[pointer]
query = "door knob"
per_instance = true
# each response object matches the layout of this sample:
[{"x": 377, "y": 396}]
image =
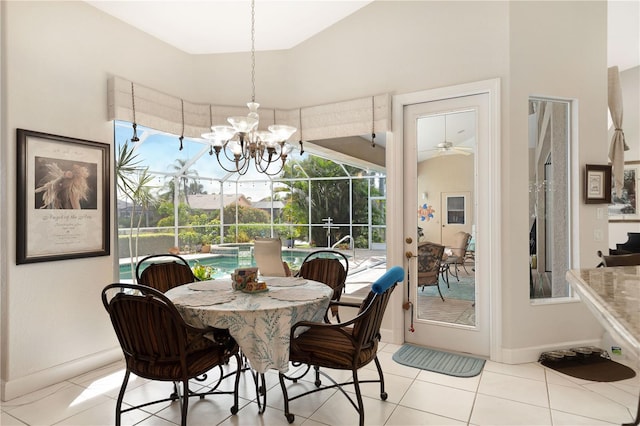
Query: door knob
[
  {"x": 409, "y": 254},
  {"x": 408, "y": 240}
]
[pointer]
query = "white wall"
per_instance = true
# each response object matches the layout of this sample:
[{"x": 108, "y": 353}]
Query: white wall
[
  {"x": 544, "y": 63},
  {"x": 57, "y": 56},
  {"x": 447, "y": 173},
  {"x": 56, "y": 59}
]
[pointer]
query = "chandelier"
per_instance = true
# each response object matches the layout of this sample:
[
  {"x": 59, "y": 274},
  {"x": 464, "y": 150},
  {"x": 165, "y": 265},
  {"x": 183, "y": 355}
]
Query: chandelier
[{"x": 242, "y": 143}]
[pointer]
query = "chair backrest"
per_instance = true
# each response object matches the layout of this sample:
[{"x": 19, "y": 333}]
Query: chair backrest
[
  {"x": 268, "y": 255},
  {"x": 366, "y": 328},
  {"x": 147, "y": 324},
  {"x": 164, "y": 271},
  {"x": 460, "y": 243},
  {"x": 326, "y": 266},
  {"x": 429, "y": 259},
  {"x": 621, "y": 260}
]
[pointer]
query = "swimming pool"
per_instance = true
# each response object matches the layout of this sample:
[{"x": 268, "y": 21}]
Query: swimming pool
[{"x": 225, "y": 264}]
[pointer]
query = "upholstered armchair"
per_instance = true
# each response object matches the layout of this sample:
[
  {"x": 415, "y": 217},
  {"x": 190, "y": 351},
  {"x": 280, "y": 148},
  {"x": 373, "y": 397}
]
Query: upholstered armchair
[{"x": 458, "y": 253}]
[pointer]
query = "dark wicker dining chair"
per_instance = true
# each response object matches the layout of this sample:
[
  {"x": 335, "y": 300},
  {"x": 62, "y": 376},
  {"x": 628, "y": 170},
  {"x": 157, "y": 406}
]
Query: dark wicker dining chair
[
  {"x": 345, "y": 346},
  {"x": 329, "y": 267},
  {"x": 158, "y": 345},
  {"x": 164, "y": 271},
  {"x": 430, "y": 265}
]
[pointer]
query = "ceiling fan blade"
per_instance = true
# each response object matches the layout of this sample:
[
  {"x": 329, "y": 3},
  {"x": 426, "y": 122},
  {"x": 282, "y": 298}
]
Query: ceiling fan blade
[{"x": 463, "y": 151}]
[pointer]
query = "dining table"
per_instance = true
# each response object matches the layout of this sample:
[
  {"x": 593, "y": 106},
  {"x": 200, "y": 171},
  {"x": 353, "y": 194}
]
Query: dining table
[
  {"x": 260, "y": 322},
  {"x": 612, "y": 294}
]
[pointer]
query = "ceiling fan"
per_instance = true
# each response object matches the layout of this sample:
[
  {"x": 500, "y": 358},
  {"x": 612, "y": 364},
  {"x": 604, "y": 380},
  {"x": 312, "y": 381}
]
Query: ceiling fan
[{"x": 447, "y": 147}]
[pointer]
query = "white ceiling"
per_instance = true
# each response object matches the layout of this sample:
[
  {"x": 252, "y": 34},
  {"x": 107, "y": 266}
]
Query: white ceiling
[
  {"x": 456, "y": 128},
  {"x": 219, "y": 26},
  {"x": 623, "y": 26},
  {"x": 222, "y": 26}
]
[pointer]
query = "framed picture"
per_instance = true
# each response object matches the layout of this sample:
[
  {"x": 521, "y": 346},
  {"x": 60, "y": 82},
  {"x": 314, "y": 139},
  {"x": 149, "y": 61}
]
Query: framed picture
[
  {"x": 62, "y": 198},
  {"x": 597, "y": 184},
  {"x": 624, "y": 207}
]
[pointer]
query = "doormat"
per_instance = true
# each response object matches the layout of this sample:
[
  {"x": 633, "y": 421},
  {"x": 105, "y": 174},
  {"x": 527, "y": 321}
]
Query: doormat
[
  {"x": 438, "y": 362},
  {"x": 596, "y": 366}
]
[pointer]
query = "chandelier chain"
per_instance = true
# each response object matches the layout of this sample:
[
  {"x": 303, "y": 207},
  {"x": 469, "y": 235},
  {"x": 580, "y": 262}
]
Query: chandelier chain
[
  {"x": 253, "y": 51},
  {"x": 242, "y": 143}
]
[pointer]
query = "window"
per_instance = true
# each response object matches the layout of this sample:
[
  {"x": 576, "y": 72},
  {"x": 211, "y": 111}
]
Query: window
[{"x": 456, "y": 213}]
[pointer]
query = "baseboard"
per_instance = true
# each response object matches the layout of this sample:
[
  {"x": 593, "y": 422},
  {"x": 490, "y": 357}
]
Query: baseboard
[
  {"x": 532, "y": 354},
  {"x": 23, "y": 385},
  {"x": 389, "y": 336}
]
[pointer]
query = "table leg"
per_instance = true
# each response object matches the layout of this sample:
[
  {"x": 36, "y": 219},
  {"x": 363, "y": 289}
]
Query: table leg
[{"x": 261, "y": 390}]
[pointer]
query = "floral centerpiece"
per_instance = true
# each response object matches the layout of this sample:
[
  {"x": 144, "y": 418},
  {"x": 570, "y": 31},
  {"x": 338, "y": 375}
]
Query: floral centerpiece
[{"x": 203, "y": 272}]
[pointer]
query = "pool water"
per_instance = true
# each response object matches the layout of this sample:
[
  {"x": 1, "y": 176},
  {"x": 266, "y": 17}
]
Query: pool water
[{"x": 224, "y": 264}]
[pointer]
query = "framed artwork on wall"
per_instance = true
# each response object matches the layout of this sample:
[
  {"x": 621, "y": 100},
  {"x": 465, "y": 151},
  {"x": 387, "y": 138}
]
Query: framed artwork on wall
[
  {"x": 62, "y": 198},
  {"x": 624, "y": 206},
  {"x": 597, "y": 184}
]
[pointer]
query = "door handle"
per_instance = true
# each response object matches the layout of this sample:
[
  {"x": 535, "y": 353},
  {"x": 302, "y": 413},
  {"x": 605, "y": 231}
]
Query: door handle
[
  {"x": 409, "y": 254},
  {"x": 408, "y": 240}
]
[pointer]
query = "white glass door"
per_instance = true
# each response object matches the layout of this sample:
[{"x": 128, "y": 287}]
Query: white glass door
[{"x": 442, "y": 140}]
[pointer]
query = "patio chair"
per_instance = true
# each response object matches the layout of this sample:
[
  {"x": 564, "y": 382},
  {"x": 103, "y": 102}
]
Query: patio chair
[
  {"x": 164, "y": 271},
  {"x": 430, "y": 265},
  {"x": 329, "y": 267},
  {"x": 158, "y": 345},
  {"x": 459, "y": 252},
  {"x": 345, "y": 346},
  {"x": 268, "y": 255}
]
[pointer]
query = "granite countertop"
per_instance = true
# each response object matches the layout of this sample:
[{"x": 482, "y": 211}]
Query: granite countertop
[{"x": 613, "y": 295}]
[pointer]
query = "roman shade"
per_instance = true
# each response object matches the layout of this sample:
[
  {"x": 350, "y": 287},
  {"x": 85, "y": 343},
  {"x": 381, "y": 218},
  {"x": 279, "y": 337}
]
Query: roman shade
[{"x": 174, "y": 115}]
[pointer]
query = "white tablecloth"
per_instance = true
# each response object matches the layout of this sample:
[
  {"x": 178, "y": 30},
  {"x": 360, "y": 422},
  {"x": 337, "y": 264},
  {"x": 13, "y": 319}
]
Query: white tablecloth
[{"x": 261, "y": 322}]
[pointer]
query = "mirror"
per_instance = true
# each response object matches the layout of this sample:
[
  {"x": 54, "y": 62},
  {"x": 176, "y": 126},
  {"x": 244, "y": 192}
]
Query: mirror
[
  {"x": 549, "y": 201},
  {"x": 446, "y": 183}
]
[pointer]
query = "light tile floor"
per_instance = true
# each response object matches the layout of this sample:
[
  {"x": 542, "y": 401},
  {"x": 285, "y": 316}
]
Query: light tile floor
[{"x": 526, "y": 394}]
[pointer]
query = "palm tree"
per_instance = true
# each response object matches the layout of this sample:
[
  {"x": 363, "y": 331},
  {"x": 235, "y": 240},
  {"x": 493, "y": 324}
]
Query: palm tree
[
  {"x": 133, "y": 184},
  {"x": 186, "y": 176}
]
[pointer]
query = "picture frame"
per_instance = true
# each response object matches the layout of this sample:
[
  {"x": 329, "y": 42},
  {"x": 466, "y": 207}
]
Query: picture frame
[
  {"x": 624, "y": 207},
  {"x": 62, "y": 198},
  {"x": 597, "y": 184}
]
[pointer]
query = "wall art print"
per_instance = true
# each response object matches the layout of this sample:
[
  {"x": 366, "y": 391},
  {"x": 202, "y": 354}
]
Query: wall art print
[{"x": 62, "y": 198}]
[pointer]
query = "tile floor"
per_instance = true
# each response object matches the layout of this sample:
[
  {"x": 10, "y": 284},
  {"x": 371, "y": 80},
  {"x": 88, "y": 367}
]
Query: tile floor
[{"x": 502, "y": 394}]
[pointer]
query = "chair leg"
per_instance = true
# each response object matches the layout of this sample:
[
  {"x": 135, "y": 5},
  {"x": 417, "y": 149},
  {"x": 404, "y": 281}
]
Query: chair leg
[
  {"x": 439, "y": 292},
  {"x": 444, "y": 273},
  {"x": 383, "y": 394},
  {"x": 290, "y": 417},
  {"x": 356, "y": 385},
  {"x": 318, "y": 382},
  {"x": 121, "y": 397},
  {"x": 455, "y": 270},
  {"x": 236, "y": 385},
  {"x": 184, "y": 402}
]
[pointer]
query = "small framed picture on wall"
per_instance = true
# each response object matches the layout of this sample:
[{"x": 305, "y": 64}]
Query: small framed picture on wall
[{"x": 597, "y": 184}]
